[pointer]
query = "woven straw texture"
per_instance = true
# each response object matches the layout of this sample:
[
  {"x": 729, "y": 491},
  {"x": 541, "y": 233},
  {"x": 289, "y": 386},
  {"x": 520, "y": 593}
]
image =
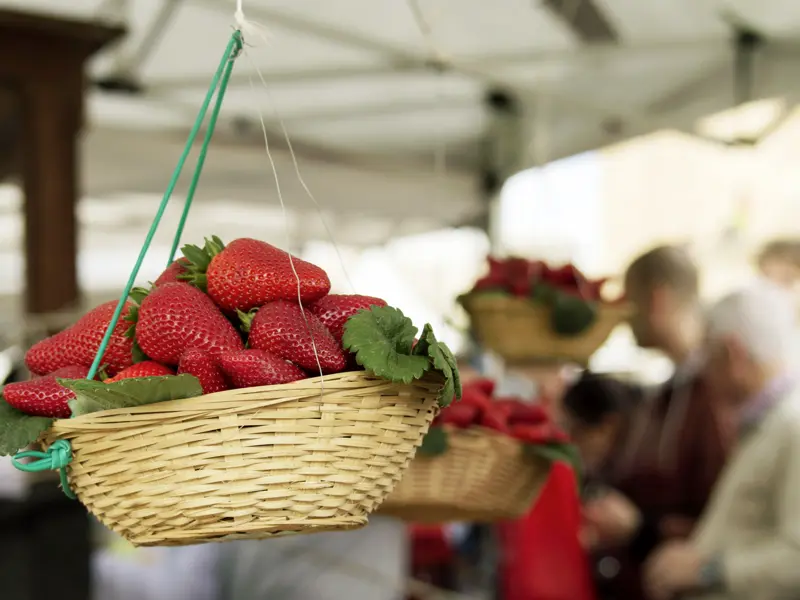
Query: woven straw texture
[
  {"x": 483, "y": 477},
  {"x": 249, "y": 463},
  {"x": 518, "y": 329}
]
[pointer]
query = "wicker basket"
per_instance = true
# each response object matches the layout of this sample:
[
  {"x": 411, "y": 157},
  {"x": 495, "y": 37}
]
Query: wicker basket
[
  {"x": 483, "y": 477},
  {"x": 248, "y": 463},
  {"x": 518, "y": 329}
]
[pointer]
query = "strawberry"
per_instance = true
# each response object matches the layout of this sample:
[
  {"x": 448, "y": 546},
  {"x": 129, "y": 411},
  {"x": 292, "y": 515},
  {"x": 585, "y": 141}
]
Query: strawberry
[
  {"x": 173, "y": 272},
  {"x": 541, "y": 433},
  {"x": 248, "y": 273},
  {"x": 203, "y": 366},
  {"x": 460, "y": 415},
  {"x": 147, "y": 368},
  {"x": 288, "y": 331},
  {"x": 78, "y": 344},
  {"x": 253, "y": 368},
  {"x": 175, "y": 317},
  {"x": 44, "y": 396},
  {"x": 495, "y": 418},
  {"x": 334, "y": 310}
]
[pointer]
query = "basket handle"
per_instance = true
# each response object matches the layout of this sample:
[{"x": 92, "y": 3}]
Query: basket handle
[
  {"x": 59, "y": 454},
  {"x": 219, "y": 84}
]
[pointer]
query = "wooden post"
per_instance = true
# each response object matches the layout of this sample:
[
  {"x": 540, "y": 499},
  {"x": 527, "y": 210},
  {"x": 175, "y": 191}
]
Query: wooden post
[
  {"x": 45, "y": 541},
  {"x": 42, "y": 61}
]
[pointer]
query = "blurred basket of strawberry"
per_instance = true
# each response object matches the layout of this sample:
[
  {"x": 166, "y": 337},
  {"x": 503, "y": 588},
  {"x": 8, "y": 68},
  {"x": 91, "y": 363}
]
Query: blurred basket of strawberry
[
  {"x": 527, "y": 310},
  {"x": 234, "y": 398},
  {"x": 484, "y": 460}
]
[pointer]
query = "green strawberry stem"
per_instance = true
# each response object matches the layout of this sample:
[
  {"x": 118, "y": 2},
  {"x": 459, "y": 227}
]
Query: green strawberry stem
[
  {"x": 199, "y": 260},
  {"x": 246, "y": 319}
]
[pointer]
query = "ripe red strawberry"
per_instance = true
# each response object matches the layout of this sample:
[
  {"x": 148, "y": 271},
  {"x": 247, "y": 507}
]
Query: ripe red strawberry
[
  {"x": 203, "y": 366},
  {"x": 287, "y": 331},
  {"x": 172, "y": 272},
  {"x": 248, "y": 273},
  {"x": 147, "y": 368},
  {"x": 253, "y": 368},
  {"x": 78, "y": 344},
  {"x": 44, "y": 397},
  {"x": 334, "y": 310},
  {"x": 175, "y": 317}
]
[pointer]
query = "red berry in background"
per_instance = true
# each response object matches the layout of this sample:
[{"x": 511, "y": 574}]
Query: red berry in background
[
  {"x": 543, "y": 433},
  {"x": 484, "y": 384},
  {"x": 495, "y": 420},
  {"x": 172, "y": 272},
  {"x": 460, "y": 415}
]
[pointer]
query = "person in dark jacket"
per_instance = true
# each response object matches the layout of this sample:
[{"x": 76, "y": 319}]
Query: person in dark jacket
[
  {"x": 597, "y": 412},
  {"x": 678, "y": 441}
]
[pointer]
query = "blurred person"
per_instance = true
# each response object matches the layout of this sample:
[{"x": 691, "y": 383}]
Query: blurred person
[
  {"x": 678, "y": 441},
  {"x": 596, "y": 413},
  {"x": 779, "y": 261},
  {"x": 368, "y": 564},
  {"x": 747, "y": 544}
]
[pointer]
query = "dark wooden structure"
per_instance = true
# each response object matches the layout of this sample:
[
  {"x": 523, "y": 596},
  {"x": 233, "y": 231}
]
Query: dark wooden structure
[
  {"x": 45, "y": 541},
  {"x": 42, "y": 65}
]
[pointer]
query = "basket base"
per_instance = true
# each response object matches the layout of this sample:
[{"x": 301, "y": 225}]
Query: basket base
[
  {"x": 245, "y": 532},
  {"x": 435, "y": 513}
]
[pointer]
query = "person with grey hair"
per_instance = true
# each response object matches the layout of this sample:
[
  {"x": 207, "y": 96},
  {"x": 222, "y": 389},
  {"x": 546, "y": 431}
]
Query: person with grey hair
[{"x": 747, "y": 543}]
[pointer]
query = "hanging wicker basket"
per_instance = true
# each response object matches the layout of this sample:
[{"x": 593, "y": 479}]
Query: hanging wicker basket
[
  {"x": 518, "y": 329},
  {"x": 248, "y": 463},
  {"x": 483, "y": 477}
]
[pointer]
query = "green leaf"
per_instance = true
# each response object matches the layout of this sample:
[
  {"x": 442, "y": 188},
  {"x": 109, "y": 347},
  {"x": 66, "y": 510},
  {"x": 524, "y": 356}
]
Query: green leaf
[
  {"x": 138, "y": 294},
  {"x": 138, "y": 353},
  {"x": 381, "y": 338},
  {"x": 544, "y": 293},
  {"x": 93, "y": 396},
  {"x": 18, "y": 430},
  {"x": 434, "y": 443},
  {"x": 198, "y": 257},
  {"x": 443, "y": 361},
  {"x": 421, "y": 349},
  {"x": 567, "y": 453},
  {"x": 571, "y": 315}
]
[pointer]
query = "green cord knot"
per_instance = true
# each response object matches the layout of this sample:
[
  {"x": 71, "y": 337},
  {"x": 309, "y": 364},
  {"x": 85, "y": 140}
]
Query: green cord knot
[{"x": 55, "y": 458}]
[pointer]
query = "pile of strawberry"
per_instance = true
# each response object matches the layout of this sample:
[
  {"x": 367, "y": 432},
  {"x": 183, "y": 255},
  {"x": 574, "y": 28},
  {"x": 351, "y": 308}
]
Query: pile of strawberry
[
  {"x": 522, "y": 277},
  {"x": 242, "y": 315},
  {"x": 524, "y": 421},
  {"x": 573, "y": 300}
]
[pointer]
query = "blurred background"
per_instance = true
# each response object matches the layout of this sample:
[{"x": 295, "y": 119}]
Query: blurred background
[{"x": 430, "y": 133}]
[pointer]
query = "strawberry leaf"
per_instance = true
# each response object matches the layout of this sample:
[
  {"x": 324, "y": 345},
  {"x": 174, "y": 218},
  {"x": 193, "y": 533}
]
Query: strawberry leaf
[
  {"x": 93, "y": 396},
  {"x": 567, "y": 453},
  {"x": 138, "y": 354},
  {"x": 381, "y": 338},
  {"x": 443, "y": 361},
  {"x": 18, "y": 430},
  {"x": 434, "y": 443}
]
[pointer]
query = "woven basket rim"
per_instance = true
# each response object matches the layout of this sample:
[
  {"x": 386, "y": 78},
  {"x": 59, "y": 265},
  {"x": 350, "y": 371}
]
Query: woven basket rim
[
  {"x": 507, "y": 303},
  {"x": 292, "y": 389}
]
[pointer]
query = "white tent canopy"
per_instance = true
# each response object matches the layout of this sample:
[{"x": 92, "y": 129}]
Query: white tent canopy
[{"x": 353, "y": 82}]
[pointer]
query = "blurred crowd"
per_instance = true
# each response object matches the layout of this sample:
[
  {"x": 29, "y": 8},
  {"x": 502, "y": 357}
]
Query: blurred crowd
[{"x": 689, "y": 490}]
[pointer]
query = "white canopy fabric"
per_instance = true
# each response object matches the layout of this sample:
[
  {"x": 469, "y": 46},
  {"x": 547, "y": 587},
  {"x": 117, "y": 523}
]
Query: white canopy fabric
[{"x": 353, "y": 83}]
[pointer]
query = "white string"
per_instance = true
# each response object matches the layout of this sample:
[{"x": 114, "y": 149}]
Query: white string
[
  {"x": 300, "y": 178},
  {"x": 244, "y": 24}
]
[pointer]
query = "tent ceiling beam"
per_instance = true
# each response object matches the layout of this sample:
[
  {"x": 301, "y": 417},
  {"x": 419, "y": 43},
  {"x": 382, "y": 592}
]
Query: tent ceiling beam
[
  {"x": 584, "y": 18},
  {"x": 399, "y": 54},
  {"x": 130, "y": 60}
]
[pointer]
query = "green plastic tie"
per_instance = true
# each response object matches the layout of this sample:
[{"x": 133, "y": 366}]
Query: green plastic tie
[
  {"x": 59, "y": 454},
  {"x": 55, "y": 458},
  {"x": 220, "y": 79}
]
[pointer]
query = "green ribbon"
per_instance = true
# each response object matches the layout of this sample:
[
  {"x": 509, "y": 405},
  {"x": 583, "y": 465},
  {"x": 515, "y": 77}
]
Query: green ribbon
[
  {"x": 59, "y": 455},
  {"x": 56, "y": 458}
]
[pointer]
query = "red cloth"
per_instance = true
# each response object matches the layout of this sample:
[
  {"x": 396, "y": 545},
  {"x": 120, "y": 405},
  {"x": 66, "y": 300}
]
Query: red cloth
[
  {"x": 429, "y": 546},
  {"x": 541, "y": 555}
]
